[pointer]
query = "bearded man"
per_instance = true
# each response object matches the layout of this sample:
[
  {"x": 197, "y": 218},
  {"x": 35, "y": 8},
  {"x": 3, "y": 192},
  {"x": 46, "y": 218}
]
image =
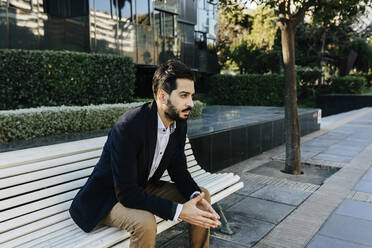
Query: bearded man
[{"x": 125, "y": 190}]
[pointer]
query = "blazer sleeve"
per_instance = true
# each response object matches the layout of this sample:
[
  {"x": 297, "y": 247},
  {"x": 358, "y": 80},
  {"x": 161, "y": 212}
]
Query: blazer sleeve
[
  {"x": 178, "y": 171},
  {"x": 123, "y": 152}
]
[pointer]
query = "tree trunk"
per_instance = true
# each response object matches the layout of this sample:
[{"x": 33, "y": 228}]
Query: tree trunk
[
  {"x": 321, "y": 82},
  {"x": 292, "y": 128}
]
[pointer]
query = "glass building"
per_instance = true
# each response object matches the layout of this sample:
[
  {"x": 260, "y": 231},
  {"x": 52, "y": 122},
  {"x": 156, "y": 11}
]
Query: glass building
[{"x": 148, "y": 31}]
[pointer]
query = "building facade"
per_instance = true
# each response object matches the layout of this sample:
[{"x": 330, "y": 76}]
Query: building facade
[{"x": 148, "y": 31}]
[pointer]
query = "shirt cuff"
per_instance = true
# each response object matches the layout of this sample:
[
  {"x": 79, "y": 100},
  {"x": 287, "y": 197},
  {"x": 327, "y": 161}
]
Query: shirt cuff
[
  {"x": 193, "y": 194},
  {"x": 178, "y": 212}
]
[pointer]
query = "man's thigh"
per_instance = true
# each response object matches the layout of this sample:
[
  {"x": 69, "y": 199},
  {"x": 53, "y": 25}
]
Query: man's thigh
[
  {"x": 167, "y": 191},
  {"x": 128, "y": 218}
]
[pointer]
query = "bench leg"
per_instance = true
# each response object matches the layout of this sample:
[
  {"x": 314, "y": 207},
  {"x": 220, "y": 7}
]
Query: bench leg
[{"x": 224, "y": 228}]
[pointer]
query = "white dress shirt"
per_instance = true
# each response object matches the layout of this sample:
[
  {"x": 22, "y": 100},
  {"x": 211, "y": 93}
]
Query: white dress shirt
[{"x": 161, "y": 145}]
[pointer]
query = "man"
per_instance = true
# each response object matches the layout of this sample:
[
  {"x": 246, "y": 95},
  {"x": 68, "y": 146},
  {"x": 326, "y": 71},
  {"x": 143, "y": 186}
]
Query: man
[{"x": 124, "y": 189}]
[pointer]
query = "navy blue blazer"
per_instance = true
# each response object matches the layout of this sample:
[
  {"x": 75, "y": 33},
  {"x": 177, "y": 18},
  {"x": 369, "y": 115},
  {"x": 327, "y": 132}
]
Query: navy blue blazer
[{"x": 126, "y": 161}]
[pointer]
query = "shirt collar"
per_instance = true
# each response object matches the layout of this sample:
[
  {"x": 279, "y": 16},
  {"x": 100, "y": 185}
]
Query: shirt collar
[{"x": 161, "y": 126}]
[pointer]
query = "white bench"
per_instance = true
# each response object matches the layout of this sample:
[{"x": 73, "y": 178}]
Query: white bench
[{"x": 37, "y": 186}]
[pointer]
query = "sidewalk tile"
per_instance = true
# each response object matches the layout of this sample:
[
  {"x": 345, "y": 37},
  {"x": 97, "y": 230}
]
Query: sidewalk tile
[
  {"x": 320, "y": 241},
  {"x": 348, "y": 229},
  {"x": 246, "y": 234},
  {"x": 312, "y": 148},
  {"x": 182, "y": 241},
  {"x": 342, "y": 152},
  {"x": 250, "y": 187},
  {"x": 360, "y": 123},
  {"x": 348, "y": 146},
  {"x": 230, "y": 200},
  {"x": 367, "y": 176},
  {"x": 259, "y": 209},
  {"x": 357, "y": 209},
  {"x": 282, "y": 195},
  {"x": 364, "y": 186},
  {"x": 331, "y": 157}
]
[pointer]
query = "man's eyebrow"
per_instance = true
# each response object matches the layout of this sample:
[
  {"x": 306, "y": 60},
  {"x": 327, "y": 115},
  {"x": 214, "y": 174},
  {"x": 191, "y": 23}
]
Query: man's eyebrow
[{"x": 185, "y": 92}]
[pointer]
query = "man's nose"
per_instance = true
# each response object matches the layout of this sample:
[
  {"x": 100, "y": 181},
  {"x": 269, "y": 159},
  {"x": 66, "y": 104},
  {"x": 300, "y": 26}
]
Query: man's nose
[{"x": 190, "y": 102}]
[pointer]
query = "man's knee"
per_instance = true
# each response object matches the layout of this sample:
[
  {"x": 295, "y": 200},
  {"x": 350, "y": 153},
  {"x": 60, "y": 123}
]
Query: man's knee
[
  {"x": 207, "y": 194},
  {"x": 146, "y": 223}
]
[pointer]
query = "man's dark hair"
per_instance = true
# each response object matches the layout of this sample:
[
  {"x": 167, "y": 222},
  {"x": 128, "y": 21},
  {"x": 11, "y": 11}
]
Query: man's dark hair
[{"x": 166, "y": 74}]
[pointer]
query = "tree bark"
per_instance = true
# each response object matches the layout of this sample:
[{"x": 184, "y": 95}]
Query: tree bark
[
  {"x": 292, "y": 127},
  {"x": 321, "y": 82}
]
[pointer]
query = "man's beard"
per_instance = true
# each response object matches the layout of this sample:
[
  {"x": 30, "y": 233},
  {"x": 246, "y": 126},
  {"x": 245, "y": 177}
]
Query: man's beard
[{"x": 173, "y": 114}]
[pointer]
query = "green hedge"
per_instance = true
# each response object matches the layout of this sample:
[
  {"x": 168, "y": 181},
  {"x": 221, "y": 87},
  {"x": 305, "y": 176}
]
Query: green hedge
[
  {"x": 30, "y": 123},
  {"x": 247, "y": 89},
  {"x": 55, "y": 78},
  {"x": 346, "y": 85},
  {"x": 268, "y": 89}
]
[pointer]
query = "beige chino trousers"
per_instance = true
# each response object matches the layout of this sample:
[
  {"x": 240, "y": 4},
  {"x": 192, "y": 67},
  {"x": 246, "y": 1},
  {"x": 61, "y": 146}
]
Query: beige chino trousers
[{"x": 142, "y": 226}]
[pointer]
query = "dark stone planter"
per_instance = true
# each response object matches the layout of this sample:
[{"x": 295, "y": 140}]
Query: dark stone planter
[
  {"x": 337, "y": 103},
  {"x": 216, "y": 149}
]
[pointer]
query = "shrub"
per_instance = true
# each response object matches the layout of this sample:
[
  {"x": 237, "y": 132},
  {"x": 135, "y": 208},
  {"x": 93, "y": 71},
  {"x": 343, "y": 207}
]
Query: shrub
[
  {"x": 308, "y": 76},
  {"x": 30, "y": 123},
  {"x": 346, "y": 85},
  {"x": 308, "y": 80},
  {"x": 55, "y": 78},
  {"x": 247, "y": 89}
]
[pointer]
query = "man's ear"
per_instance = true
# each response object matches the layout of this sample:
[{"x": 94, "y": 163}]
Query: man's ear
[{"x": 162, "y": 96}]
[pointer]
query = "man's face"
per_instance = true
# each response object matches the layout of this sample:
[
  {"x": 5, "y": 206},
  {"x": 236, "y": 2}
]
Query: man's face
[{"x": 179, "y": 103}]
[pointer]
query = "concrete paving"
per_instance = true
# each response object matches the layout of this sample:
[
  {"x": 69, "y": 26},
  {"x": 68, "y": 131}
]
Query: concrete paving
[{"x": 274, "y": 211}]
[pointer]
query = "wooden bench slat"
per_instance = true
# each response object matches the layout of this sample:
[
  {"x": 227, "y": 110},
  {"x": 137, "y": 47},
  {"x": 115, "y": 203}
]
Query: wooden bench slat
[
  {"x": 104, "y": 241},
  {"x": 188, "y": 152},
  {"x": 35, "y": 206},
  {"x": 37, "y": 225},
  {"x": 23, "y": 199},
  {"x": 31, "y": 155},
  {"x": 51, "y": 181},
  {"x": 35, "y": 216},
  {"x": 167, "y": 178},
  {"x": 190, "y": 167},
  {"x": 51, "y": 238},
  {"x": 47, "y": 173},
  {"x": 187, "y": 146},
  {"x": 27, "y": 168},
  {"x": 40, "y": 233},
  {"x": 221, "y": 180},
  {"x": 80, "y": 236},
  {"x": 227, "y": 183},
  {"x": 205, "y": 182},
  {"x": 226, "y": 192},
  {"x": 116, "y": 237},
  {"x": 190, "y": 158},
  {"x": 192, "y": 163}
]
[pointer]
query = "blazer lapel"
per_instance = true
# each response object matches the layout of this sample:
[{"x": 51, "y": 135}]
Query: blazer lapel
[{"x": 152, "y": 134}]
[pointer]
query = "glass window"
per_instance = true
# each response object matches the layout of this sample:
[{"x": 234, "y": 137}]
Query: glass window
[
  {"x": 143, "y": 12},
  {"x": 20, "y": 4},
  {"x": 125, "y": 9},
  {"x": 189, "y": 33},
  {"x": 168, "y": 25},
  {"x": 158, "y": 22}
]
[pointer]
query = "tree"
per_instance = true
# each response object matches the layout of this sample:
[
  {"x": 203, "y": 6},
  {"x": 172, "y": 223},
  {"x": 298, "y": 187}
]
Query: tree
[
  {"x": 291, "y": 13},
  {"x": 247, "y": 35}
]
